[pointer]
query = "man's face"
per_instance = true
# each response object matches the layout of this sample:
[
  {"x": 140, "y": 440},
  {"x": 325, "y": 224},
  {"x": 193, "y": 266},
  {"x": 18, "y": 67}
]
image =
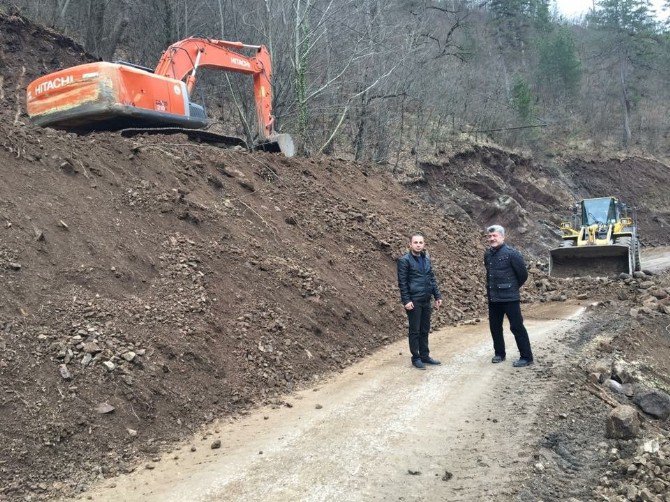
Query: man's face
[
  {"x": 416, "y": 244},
  {"x": 495, "y": 239}
]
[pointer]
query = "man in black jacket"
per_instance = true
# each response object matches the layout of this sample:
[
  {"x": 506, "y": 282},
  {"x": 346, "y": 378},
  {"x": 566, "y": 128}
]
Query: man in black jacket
[
  {"x": 505, "y": 274},
  {"x": 417, "y": 285}
]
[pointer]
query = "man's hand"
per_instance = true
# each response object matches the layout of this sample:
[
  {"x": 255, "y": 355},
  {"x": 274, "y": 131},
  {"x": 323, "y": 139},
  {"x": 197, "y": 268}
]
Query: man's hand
[
  {"x": 437, "y": 304},
  {"x": 409, "y": 306}
]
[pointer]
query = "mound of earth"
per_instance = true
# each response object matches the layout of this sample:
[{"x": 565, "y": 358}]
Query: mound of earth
[
  {"x": 619, "y": 366},
  {"x": 487, "y": 185},
  {"x": 151, "y": 284}
]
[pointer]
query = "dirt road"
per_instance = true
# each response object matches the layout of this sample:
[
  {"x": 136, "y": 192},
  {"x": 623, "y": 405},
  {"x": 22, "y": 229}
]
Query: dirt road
[
  {"x": 380, "y": 430},
  {"x": 656, "y": 259}
]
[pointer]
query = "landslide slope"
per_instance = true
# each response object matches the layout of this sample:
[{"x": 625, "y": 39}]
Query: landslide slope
[
  {"x": 173, "y": 282},
  {"x": 486, "y": 184}
]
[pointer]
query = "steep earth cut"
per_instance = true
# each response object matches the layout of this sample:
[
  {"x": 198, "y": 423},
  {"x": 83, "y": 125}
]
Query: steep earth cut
[{"x": 153, "y": 284}]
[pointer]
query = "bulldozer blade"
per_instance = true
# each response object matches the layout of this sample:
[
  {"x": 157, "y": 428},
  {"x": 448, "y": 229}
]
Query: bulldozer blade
[
  {"x": 279, "y": 143},
  {"x": 590, "y": 261}
]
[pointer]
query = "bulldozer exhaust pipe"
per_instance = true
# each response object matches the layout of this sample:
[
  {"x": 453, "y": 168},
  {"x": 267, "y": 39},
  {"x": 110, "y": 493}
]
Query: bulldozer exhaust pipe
[{"x": 590, "y": 261}]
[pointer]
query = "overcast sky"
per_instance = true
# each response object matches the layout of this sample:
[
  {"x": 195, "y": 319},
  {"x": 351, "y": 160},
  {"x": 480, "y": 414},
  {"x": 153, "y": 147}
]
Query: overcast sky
[{"x": 574, "y": 8}]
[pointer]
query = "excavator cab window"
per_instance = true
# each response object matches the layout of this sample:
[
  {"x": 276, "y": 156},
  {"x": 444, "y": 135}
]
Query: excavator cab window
[{"x": 600, "y": 211}]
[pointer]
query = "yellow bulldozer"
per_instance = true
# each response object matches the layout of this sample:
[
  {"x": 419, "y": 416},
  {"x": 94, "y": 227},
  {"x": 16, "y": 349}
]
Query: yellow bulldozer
[{"x": 600, "y": 240}]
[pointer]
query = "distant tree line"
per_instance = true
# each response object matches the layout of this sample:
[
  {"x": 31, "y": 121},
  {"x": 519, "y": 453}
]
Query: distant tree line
[{"x": 379, "y": 79}]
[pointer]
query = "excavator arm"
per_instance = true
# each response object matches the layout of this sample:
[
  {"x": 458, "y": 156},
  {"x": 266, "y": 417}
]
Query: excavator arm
[{"x": 182, "y": 60}]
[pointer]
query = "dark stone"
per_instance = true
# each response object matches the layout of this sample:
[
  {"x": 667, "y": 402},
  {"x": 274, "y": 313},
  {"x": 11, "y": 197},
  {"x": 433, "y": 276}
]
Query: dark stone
[
  {"x": 654, "y": 402},
  {"x": 623, "y": 423}
]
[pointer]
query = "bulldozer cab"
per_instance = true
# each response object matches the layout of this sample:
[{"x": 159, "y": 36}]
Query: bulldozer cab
[{"x": 601, "y": 211}]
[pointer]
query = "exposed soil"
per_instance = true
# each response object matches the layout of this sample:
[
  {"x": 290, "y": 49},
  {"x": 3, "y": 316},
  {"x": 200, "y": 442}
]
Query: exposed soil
[
  {"x": 153, "y": 284},
  {"x": 487, "y": 185},
  {"x": 575, "y": 457},
  {"x": 379, "y": 431}
]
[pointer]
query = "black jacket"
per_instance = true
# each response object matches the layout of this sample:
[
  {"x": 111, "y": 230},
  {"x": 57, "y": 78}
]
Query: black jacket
[
  {"x": 505, "y": 274},
  {"x": 416, "y": 284}
]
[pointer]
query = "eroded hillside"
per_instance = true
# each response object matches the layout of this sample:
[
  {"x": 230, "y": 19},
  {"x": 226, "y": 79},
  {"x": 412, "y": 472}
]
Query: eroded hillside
[{"x": 151, "y": 284}]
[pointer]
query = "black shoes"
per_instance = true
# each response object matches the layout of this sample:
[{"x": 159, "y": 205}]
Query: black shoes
[
  {"x": 521, "y": 363},
  {"x": 497, "y": 359},
  {"x": 418, "y": 364},
  {"x": 430, "y": 360}
]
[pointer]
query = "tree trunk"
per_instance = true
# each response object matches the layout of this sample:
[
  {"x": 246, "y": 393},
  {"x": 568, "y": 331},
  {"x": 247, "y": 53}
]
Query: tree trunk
[
  {"x": 625, "y": 104},
  {"x": 96, "y": 26},
  {"x": 116, "y": 33},
  {"x": 362, "y": 123}
]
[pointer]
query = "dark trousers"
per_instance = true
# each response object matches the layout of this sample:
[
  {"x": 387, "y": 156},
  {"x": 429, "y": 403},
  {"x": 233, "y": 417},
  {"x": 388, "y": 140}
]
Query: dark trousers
[
  {"x": 419, "y": 326},
  {"x": 497, "y": 312}
]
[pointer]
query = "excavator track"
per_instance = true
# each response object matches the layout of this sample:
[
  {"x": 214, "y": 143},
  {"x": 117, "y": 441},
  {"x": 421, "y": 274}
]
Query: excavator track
[{"x": 197, "y": 135}]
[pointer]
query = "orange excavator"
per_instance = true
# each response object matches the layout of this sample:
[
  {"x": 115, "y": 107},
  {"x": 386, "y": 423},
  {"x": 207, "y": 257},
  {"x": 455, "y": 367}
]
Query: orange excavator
[{"x": 134, "y": 99}]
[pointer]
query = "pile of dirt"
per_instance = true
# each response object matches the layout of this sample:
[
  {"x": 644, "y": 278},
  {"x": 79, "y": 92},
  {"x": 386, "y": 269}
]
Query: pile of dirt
[
  {"x": 620, "y": 369},
  {"x": 152, "y": 284},
  {"x": 179, "y": 282}
]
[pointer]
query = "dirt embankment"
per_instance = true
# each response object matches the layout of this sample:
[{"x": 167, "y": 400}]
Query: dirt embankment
[
  {"x": 151, "y": 284},
  {"x": 606, "y": 429},
  {"x": 486, "y": 185}
]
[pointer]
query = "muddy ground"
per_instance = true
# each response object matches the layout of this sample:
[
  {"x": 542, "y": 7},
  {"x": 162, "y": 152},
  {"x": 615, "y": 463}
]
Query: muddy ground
[{"x": 150, "y": 285}]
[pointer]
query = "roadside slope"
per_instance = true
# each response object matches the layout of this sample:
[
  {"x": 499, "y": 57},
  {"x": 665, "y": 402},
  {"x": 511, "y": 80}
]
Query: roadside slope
[
  {"x": 152, "y": 284},
  {"x": 379, "y": 431}
]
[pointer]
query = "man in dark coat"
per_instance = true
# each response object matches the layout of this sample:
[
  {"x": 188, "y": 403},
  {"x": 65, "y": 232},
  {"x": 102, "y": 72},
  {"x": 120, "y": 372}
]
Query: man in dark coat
[
  {"x": 505, "y": 274},
  {"x": 417, "y": 285}
]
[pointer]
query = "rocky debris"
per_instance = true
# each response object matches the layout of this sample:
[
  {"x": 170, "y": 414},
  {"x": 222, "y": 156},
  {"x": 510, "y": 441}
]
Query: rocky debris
[
  {"x": 623, "y": 423},
  {"x": 643, "y": 475},
  {"x": 653, "y": 402},
  {"x": 216, "y": 444},
  {"x": 621, "y": 372},
  {"x": 64, "y": 372},
  {"x": 632, "y": 350}
]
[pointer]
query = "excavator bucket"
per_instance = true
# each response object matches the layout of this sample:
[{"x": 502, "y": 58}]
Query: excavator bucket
[
  {"x": 277, "y": 143},
  {"x": 590, "y": 261}
]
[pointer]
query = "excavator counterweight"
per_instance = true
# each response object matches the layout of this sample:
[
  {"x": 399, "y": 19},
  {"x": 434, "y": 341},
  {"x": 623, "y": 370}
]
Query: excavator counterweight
[{"x": 123, "y": 96}]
